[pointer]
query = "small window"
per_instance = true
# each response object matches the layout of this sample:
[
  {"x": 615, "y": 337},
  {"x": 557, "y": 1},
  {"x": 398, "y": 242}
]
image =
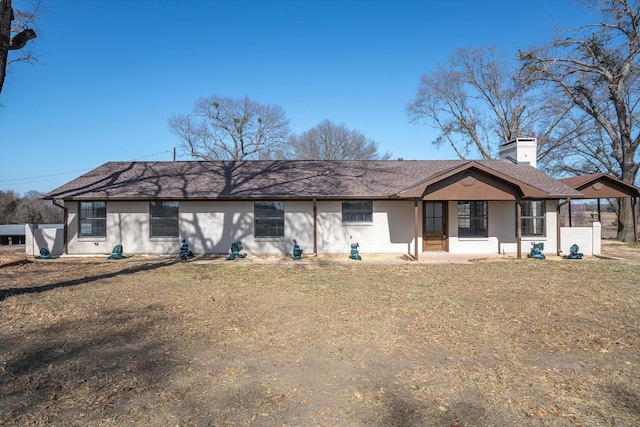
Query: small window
[
  {"x": 533, "y": 217},
  {"x": 269, "y": 219},
  {"x": 472, "y": 219},
  {"x": 163, "y": 219},
  {"x": 93, "y": 219},
  {"x": 357, "y": 211}
]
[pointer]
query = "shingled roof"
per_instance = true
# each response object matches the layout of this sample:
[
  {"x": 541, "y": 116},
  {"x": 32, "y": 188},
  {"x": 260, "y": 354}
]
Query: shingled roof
[
  {"x": 599, "y": 185},
  {"x": 300, "y": 179}
]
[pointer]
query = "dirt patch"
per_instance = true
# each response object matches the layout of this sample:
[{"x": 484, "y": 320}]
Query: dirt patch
[
  {"x": 619, "y": 250},
  {"x": 12, "y": 254},
  {"x": 158, "y": 342}
]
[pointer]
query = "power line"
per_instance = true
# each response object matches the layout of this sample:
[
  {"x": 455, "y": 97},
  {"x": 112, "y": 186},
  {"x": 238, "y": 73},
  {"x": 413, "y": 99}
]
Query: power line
[
  {"x": 43, "y": 176},
  {"x": 76, "y": 171},
  {"x": 151, "y": 155}
]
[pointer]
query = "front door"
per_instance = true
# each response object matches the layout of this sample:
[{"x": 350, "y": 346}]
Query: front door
[{"x": 434, "y": 237}]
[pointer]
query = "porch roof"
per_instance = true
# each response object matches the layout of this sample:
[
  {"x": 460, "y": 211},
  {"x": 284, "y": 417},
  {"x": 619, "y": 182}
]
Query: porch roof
[
  {"x": 488, "y": 180},
  {"x": 601, "y": 186},
  {"x": 299, "y": 179}
]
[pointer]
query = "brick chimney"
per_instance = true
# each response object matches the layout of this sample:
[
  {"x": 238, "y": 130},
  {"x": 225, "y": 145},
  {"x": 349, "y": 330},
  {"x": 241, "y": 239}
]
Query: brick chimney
[{"x": 521, "y": 151}]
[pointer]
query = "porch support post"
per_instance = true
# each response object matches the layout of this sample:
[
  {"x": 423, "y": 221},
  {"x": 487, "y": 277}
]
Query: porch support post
[
  {"x": 519, "y": 227},
  {"x": 65, "y": 233},
  {"x": 570, "y": 215},
  {"x": 315, "y": 226},
  {"x": 599, "y": 211},
  {"x": 634, "y": 209},
  {"x": 559, "y": 225},
  {"x": 416, "y": 219}
]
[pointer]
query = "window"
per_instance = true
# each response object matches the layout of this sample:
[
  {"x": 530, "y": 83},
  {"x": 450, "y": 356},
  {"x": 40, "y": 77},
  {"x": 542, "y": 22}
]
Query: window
[
  {"x": 93, "y": 219},
  {"x": 163, "y": 219},
  {"x": 472, "y": 219},
  {"x": 357, "y": 211},
  {"x": 269, "y": 219},
  {"x": 533, "y": 217}
]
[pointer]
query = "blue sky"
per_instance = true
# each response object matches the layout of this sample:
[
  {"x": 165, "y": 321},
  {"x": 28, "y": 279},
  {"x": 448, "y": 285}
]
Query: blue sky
[{"x": 112, "y": 72}]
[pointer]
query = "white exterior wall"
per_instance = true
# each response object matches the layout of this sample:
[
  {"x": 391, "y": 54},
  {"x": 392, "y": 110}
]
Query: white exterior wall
[
  {"x": 212, "y": 226},
  {"x": 49, "y": 236},
  {"x": 391, "y": 230},
  {"x": 588, "y": 239},
  {"x": 500, "y": 214},
  {"x": 502, "y": 231},
  {"x": 208, "y": 227},
  {"x": 85, "y": 245},
  {"x": 550, "y": 239}
]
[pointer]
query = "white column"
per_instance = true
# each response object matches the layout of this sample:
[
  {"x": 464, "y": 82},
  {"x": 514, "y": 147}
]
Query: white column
[{"x": 597, "y": 238}]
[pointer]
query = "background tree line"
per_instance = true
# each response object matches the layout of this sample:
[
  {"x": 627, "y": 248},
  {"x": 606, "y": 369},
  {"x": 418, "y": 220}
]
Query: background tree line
[
  {"x": 28, "y": 209},
  {"x": 224, "y": 128}
]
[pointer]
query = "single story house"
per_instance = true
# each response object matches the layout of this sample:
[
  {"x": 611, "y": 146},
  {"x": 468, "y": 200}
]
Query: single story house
[{"x": 401, "y": 206}]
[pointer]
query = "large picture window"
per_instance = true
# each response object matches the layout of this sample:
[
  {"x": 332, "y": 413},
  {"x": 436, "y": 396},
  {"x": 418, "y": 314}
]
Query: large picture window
[
  {"x": 269, "y": 219},
  {"x": 533, "y": 217},
  {"x": 472, "y": 219},
  {"x": 93, "y": 219},
  {"x": 163, "y": 219},
  {"x": 357, "y": 211}
]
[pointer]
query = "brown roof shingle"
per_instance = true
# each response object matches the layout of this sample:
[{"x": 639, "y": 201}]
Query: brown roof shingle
[{"x": 279, "y": 179}]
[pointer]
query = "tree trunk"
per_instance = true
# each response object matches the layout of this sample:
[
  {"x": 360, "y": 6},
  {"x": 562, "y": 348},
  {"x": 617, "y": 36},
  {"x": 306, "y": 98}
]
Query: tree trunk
[
  {"x": 5, "y": 37},
  {"x": 625, "y": 220},
  {"x": 629, "y": 167}
]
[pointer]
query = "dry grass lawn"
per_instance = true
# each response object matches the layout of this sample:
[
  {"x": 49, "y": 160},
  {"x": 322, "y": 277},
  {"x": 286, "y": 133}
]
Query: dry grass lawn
[{"x": 158, "y": 342}]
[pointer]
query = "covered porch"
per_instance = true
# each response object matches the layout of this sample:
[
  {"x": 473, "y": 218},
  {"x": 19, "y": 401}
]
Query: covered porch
[{"x": 474, "y": 208}]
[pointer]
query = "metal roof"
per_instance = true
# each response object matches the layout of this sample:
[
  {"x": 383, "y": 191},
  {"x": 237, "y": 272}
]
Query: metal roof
[{"x": 12, "y": 230}]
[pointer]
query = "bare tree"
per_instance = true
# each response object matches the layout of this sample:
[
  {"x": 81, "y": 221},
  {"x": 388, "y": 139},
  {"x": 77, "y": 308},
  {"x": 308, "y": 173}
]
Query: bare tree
[
  {"x": 27, "y": 209},
  {"x": 478, "y": 102},
  {"x": 330, "y": 141},
  {"x": 222, "y": 128},
  {"x": 15, "y": 32},
  {"x": 596, "y": 68}
]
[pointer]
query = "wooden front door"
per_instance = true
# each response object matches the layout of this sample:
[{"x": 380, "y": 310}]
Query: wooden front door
[{"x": 434, "y": 226}]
